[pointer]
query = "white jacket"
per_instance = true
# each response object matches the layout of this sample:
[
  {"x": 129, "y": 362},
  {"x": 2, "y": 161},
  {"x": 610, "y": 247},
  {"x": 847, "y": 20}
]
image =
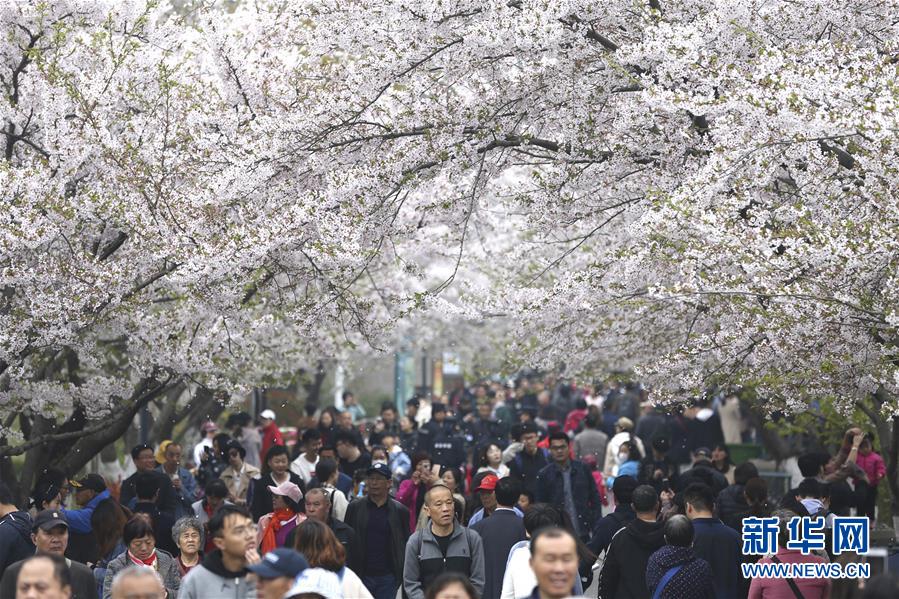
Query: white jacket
[
  {"x": 352, "y": 586},
  {"x": 519, "y": 579}
]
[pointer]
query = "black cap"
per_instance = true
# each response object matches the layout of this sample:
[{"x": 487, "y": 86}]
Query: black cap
[
  {"x": 437, "y": 407},
  {"x": 94, "y": 482},
  {"x": 49, "y": 519},
  {"x": 381, "y": 469}
]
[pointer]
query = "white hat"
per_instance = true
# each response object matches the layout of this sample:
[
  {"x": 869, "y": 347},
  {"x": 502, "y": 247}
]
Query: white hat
[
  {"x": 267, "y": 414},
  {"x": 317, "y": 581}
]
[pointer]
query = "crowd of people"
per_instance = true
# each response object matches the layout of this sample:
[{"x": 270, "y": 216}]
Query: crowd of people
[{"x": 490, "y": 492}]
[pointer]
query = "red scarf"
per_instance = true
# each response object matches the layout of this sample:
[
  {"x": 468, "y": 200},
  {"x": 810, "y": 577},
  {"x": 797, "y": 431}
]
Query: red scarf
[
  {"x": 279, "y": 518},
  {"x": 150, "y": 561}
]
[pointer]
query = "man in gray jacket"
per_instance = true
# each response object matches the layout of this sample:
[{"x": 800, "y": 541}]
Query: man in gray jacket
[
  {"x": 223, "y": 573},
  {"x": 443, "y": 546}
]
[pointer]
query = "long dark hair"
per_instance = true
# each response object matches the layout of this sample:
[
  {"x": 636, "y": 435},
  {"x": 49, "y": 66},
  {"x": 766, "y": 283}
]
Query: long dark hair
[{"x": 108, "y": 522}]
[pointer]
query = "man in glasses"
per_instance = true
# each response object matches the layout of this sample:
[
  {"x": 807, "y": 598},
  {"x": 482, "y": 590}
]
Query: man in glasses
[
  {"x": 568, "y": 485},
  {"x": 382, "y": 529},
  {"x": 223, "y": 572}
]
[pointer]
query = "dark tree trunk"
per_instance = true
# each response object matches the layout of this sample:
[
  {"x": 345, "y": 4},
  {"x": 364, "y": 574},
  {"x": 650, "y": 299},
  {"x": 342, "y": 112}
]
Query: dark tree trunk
[
  {"x": 313, "y": 386},
  {"x": 74, "y": 451}
]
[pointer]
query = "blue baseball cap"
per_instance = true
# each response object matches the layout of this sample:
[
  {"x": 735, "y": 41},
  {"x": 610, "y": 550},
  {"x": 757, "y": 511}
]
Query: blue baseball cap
[{"x": 280, "y": 562}]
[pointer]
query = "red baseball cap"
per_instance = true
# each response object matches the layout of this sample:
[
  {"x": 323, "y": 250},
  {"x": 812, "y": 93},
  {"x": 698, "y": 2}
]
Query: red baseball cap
[{"x": 488, "y": 483}]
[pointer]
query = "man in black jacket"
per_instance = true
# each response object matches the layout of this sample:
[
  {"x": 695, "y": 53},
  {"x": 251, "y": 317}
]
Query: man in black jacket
[
  {"x": 382, "y": 528},
  {"x": 731, "y": 501},
  {"x": 499, "y": 532},
  {"x": 623, "y": 573},
  {"x": 146, "y": 490},
  {"x": 569, "y": 485},
  {"x": 606, "y": 527},
  {"x": 50, "y": 534},
  {"x": 529, "y": 459},
  {"x": 318, "y": 507},
  {"x": 15, "y": 531},
  {"x": 145, "y": 461}
]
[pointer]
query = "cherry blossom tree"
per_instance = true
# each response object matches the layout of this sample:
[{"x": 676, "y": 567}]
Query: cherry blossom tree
[{"x": 702, "y": 191}]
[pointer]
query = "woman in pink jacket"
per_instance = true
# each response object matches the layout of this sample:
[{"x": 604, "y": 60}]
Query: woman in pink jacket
[
  {"x": 872, "y": 465},
  {"x": 412, "y": 491},
  {"x": 779, "y": 588}
]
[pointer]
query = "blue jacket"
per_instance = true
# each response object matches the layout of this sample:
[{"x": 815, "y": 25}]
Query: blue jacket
[
  {"x": 80, "y": 520},
  {"x": 551, "y": 490},
  {"x": 188, "y": 493},
  {"x": 720, "y": 546}
]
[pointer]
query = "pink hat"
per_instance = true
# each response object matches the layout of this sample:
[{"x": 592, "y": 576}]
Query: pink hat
[{"x": 288, "y": 489}]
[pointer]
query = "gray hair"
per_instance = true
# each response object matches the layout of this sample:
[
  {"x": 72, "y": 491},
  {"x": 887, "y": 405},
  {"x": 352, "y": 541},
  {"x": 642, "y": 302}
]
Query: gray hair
[
  {"x": 134, "y": 572},
  {"x": 184, "y": 524}
]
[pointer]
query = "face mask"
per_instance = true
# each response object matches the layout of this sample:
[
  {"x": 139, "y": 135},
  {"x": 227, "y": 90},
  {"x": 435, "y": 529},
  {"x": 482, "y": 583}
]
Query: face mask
[
  {"x": 379, "y": 462},
  {"x": 622, "y": 458}
]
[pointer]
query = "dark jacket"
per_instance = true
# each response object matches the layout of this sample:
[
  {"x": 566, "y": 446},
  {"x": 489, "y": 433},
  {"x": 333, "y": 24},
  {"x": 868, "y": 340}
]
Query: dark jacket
[
  {"x": 167, "y": 501},
  {"x": 526, "y": 467},
  {"x": 261, "y": 502},
  {"x": 15, "y": 539},
  {"x": 623, "y": 573},
  {"x": 702, "y": 472},
  {"x": 719, "y": 545},
  {"x": 162, "y": 525},
  {"x": 83, "y": 584},
  {"x": 397, "y": 517},
  {"x": 730, "y": 504},
  {"x": 425, "y": 561},
  {"x": 499, "y": 532},
  {"x": 692, "y": 581},
  {"x": 607, "y": 526},
  {"x": 551, "y": 489}
]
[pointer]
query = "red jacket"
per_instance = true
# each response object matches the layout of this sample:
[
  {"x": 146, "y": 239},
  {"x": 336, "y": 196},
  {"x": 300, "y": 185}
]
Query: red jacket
[{"x": 271, "y": 435}]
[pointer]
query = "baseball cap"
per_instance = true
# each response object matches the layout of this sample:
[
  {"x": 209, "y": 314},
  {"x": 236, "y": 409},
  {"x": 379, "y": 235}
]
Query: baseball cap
[
  {"x": 381, "y": 469},
  {"x": 267, "y": 414},
  {"x": 488, "y": 483},
  {"x": 208, "y": 426},
  {"x": 317, "y": 581},
  {"x": 94, "y": 482},
  {"x": 287, "y": 489},
  {"x": 703, "y": 452},
  {"x": 280, "y": 562},
  {"x": 49, "y": 519}
]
